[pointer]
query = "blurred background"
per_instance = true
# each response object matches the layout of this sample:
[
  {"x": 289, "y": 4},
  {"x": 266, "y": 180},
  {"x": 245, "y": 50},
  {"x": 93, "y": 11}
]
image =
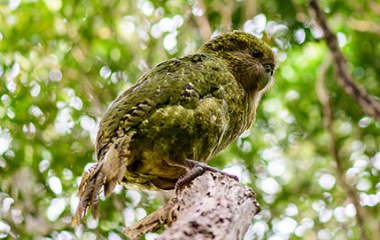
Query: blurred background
[{"x": 63, "y": 62}]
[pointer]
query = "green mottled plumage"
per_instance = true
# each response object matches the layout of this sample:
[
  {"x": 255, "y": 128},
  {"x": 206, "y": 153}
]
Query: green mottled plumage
[{"x": 186, "y": 108}]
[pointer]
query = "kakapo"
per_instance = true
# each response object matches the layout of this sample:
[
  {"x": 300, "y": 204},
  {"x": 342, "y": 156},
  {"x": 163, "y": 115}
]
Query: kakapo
[{"x": 178, "y": 116}]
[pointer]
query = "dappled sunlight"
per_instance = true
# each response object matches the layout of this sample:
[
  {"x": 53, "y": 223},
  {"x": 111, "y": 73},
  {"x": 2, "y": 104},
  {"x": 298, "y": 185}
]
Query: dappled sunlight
[{"x": 63, "y": 62}]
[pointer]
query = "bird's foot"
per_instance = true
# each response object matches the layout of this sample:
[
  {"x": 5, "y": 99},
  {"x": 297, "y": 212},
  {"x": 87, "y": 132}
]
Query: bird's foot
[{"x": 197, "y": 169}]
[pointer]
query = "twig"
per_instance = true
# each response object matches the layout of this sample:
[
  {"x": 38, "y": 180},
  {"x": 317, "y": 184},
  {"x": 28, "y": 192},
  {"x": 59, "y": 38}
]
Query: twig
[
  {"x": 250, "y": 7},
  {"x": 367, "y": 102},
  {"x": 226, "y": 8},
  {"x": 375, "y": 6},
  {"x": 328, "y": 121},
  {"x": 202, "y": 22},
  {"x": 165, "y": 215},
  {"x": 364, "y": 26}
]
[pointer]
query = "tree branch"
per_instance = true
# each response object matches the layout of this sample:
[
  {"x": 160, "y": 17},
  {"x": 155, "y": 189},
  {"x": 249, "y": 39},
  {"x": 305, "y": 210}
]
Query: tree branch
[
  {"x": 202, "y": 22},
  {"x": 363, "y": 26},
  {"x": 226, "y": 8},
  {"x": 213, "y": 206},
  {"x": 375, "y": 6},
  {"x": 328, "y": 121},
  {"x": 367, "y": 102}
]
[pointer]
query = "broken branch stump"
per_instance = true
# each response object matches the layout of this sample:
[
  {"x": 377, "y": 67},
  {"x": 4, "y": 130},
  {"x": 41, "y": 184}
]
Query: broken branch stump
[{"x": 212, "y": 206}]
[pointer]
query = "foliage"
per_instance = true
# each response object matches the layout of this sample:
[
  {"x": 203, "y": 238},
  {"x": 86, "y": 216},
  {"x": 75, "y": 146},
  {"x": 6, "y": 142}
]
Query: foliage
[{"x": 63, "y": 62}]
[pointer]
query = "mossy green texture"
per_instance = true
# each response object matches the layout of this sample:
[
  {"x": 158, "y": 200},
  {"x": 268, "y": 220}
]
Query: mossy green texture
[{"x": 187, "y": 108}]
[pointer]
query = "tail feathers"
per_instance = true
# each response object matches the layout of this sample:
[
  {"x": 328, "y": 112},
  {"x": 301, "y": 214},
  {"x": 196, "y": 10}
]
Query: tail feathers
[
  {"x": 89, "y": 188},
  {"x": 115, "y": 167},
  {"x": 107, "y": 173}
]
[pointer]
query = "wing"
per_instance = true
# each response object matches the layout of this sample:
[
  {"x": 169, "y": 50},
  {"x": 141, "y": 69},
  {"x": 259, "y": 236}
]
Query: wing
[{"x": 178, "y": 81}]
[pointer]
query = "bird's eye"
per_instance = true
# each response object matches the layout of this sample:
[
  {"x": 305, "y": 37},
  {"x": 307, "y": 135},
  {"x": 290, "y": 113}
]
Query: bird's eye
[{"x": 257, "y": 54}]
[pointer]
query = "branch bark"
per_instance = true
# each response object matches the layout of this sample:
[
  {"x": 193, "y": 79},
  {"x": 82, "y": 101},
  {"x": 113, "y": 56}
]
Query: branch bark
[
  {"x": 345, "y": 79},
  {"x": 213, "y": 206}
]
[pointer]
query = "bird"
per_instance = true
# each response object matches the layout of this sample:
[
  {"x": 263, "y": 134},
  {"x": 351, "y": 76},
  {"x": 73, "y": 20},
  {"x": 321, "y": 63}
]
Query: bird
[{"x": 164, "y": 129}]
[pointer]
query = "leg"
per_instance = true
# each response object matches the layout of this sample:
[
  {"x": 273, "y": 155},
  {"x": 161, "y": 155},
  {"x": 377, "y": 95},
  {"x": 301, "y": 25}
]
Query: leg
[{"x": 194, "y": 169}]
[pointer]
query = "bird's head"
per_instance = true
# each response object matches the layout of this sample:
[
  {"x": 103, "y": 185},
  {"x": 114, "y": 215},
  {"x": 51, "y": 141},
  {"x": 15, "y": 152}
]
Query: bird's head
[{"x": 250, "y": 59}]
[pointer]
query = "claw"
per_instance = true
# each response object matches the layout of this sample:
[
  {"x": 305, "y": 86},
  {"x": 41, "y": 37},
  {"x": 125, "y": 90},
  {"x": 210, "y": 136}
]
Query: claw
[{"x": 197, "y": 169}]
